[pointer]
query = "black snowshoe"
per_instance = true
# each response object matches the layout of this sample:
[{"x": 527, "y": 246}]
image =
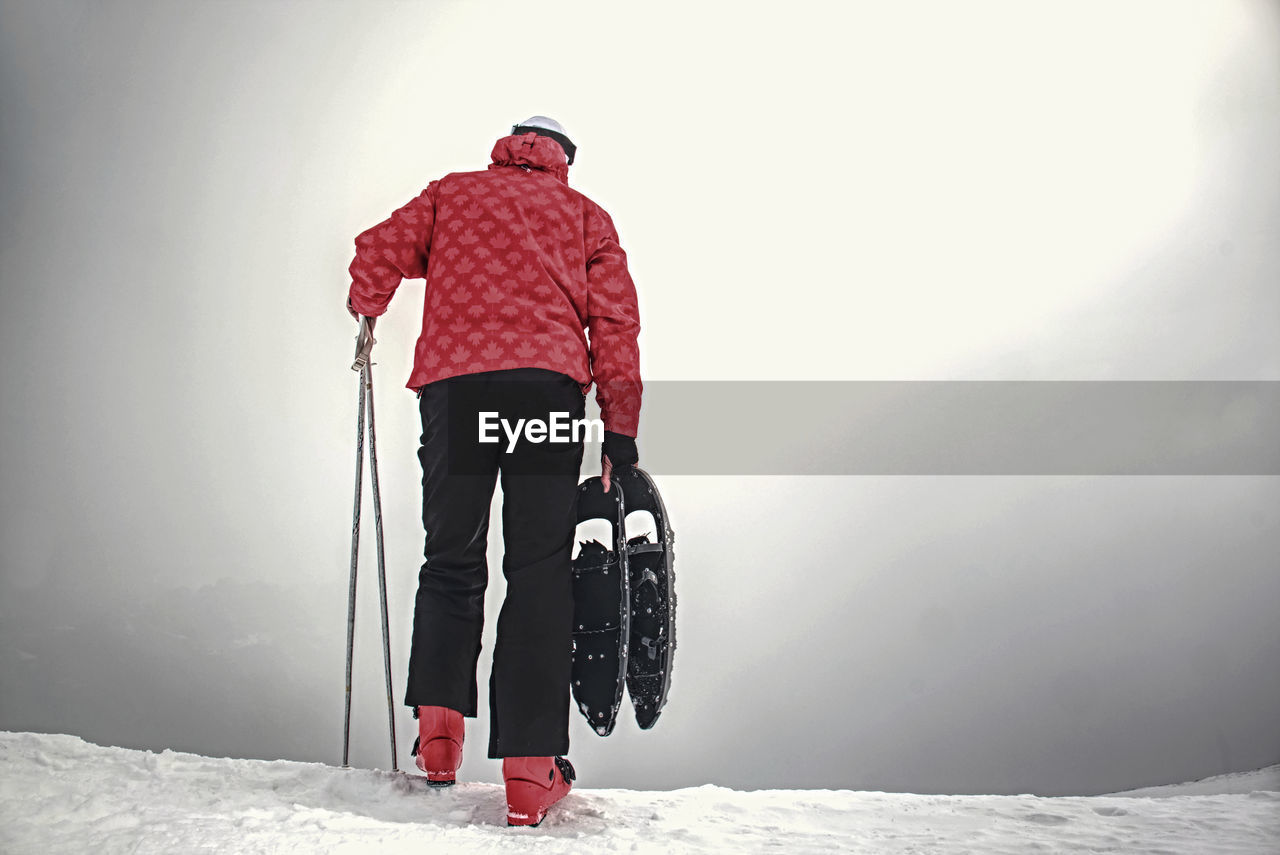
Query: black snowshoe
[
  {"x": 624, "y": 604},
  {"x": 650, "y": 566},
  {"x": 601, "y": 619}
]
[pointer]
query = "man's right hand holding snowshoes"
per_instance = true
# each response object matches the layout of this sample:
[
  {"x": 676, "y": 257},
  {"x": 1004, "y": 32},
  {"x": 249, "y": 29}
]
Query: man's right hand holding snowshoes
[{"x": 618, "y": 450}]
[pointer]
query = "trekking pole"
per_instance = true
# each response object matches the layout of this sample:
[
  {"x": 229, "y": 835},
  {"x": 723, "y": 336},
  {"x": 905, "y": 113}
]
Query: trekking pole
[
  {"x": 361, "y": 355},
  {"x": 382, "y": 564},
  {"x": 364, "y": 344}
]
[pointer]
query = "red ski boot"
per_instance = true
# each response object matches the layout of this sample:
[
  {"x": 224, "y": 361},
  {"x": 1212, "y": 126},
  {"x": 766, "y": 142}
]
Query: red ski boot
[
  {"x": 438, "y": 748},
  {"x": 533, "y": 785}
]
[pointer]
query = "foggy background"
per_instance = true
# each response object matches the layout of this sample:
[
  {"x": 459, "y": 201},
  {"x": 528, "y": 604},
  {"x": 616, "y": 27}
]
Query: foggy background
[{"x": 915, "y": 191}]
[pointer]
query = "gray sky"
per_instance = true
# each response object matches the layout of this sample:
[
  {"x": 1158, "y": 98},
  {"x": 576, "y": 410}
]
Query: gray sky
[{"x": 817, "y": 191}]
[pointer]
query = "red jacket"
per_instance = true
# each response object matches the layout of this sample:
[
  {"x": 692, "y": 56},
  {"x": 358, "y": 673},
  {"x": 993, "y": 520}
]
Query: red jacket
[{"x": 519, "y": 269}]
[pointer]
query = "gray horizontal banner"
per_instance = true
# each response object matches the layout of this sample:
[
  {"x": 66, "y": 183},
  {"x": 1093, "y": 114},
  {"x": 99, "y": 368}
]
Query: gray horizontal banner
[{"x": 960, "y": 428}]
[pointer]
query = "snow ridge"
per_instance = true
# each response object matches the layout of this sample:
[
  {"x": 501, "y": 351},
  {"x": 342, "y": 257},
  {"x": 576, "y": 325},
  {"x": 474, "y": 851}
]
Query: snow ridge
[
  {"x": 60, "y": 794},
  {"x": 1266, "y": 779}
]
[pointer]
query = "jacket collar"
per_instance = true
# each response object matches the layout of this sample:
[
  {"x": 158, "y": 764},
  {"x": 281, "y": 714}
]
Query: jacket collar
[{"x": 533, "y": 151}]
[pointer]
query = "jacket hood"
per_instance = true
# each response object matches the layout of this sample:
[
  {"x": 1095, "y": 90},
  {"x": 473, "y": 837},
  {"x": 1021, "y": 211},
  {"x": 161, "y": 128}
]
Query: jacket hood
[{"x": 533, "y": 151}]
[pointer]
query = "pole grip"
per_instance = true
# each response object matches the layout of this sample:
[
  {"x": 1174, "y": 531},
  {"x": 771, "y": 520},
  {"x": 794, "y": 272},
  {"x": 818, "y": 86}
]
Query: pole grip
[{"x": 364, "y": 343}]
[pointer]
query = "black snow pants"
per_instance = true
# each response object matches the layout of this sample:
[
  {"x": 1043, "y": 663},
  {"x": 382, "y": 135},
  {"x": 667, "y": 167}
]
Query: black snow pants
[{"x": 532, "y": 659}]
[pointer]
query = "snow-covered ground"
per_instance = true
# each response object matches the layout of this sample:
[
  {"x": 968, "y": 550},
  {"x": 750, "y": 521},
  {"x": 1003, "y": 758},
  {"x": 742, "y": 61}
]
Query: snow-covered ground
[{"x": 62, "y": 794}]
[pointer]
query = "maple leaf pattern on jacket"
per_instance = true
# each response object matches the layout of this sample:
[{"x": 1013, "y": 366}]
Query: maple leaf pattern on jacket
[
  {"x": 393, "y": 250},
  {"x": 521, "y": 271}
]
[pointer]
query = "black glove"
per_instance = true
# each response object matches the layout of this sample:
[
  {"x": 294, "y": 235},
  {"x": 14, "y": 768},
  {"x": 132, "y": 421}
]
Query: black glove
[{"x": 620, "y": 449}]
